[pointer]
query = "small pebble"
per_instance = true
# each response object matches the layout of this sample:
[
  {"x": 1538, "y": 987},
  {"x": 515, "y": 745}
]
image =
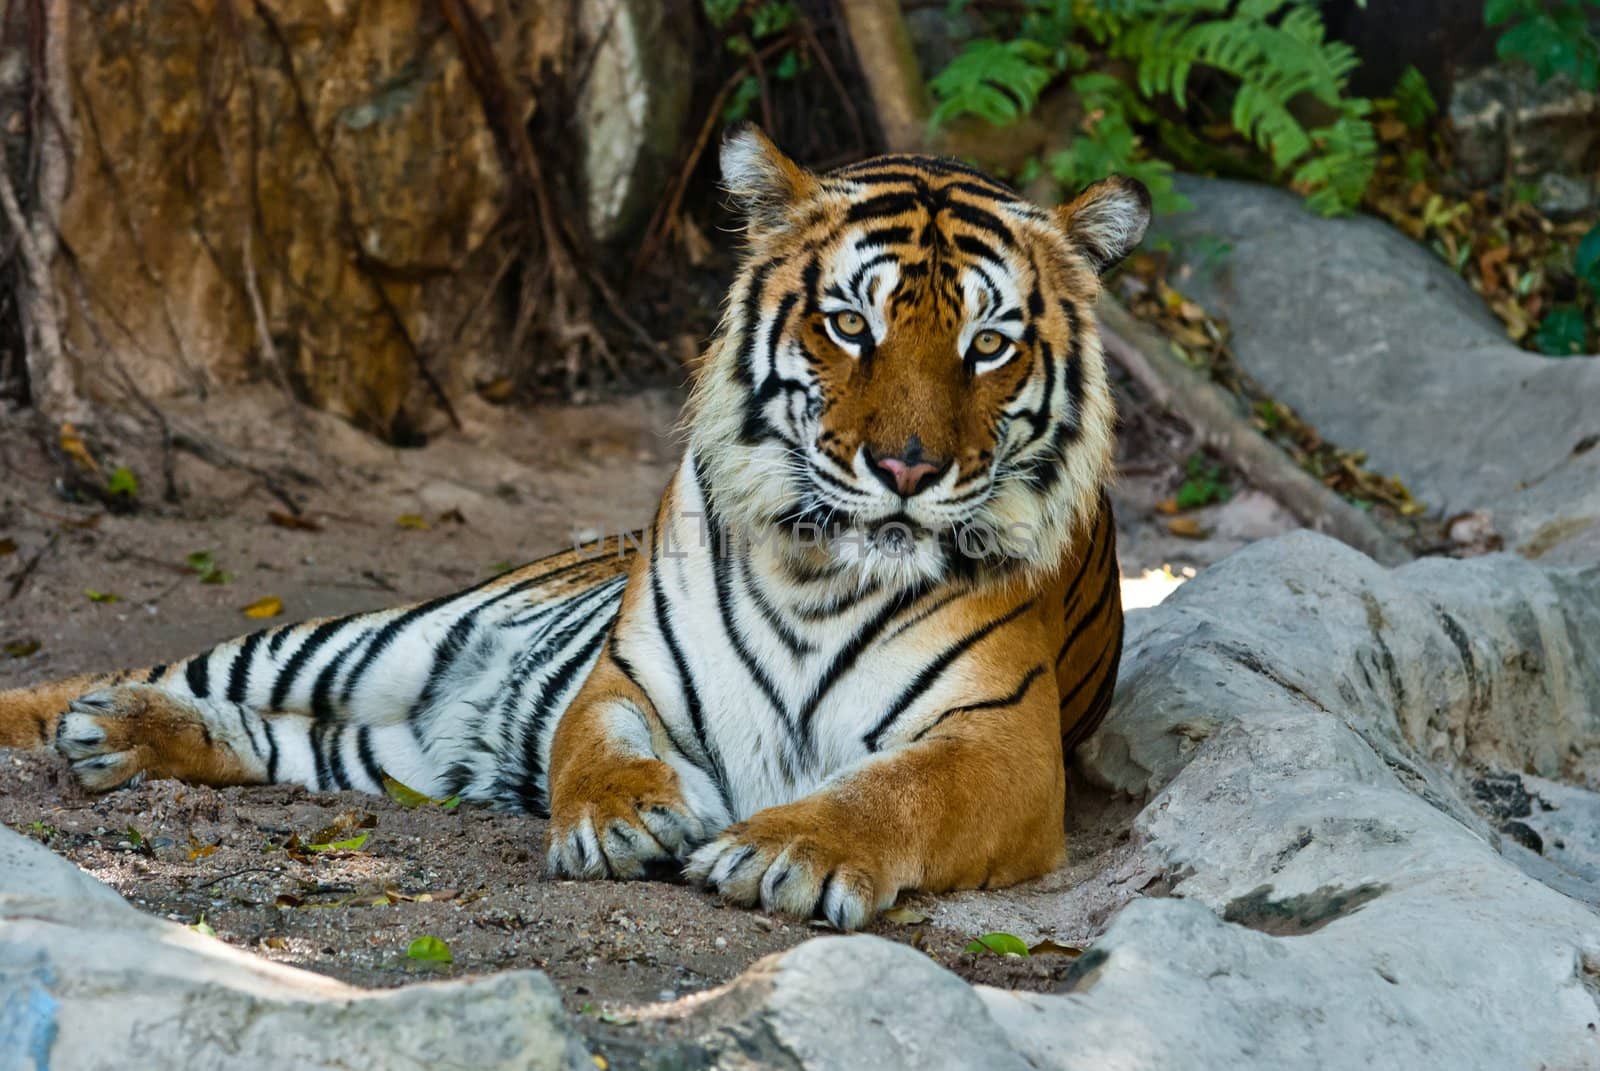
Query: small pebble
[
  {"x": 721, "y": 942},
  {"x": 666, "y": 994}
]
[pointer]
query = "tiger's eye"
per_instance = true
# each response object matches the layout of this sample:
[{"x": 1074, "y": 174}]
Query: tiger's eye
[
  {"x": 849, "y": 324},
  {"x": 988, "y": 343}
]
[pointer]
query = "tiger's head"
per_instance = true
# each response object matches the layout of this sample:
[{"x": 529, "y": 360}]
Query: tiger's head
[{"x": 908, "y": 372}]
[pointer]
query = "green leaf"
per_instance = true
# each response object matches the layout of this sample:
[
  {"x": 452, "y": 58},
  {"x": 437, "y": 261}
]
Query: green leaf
[
  {"x": 354, "y": 844},
  {"x": 203, "y": 927},
  {"x": 1562, "y": 333},
  {"x": 101, "y": 596},
  {"x": 206, "y": 568},
  {"x": 1413, "y": 100},
  {"x": 122, "y": 482},
  {"x": 997, "y": 81},
  {"x": 1586, "y": 261},
  {"x": 430, "y": 949},
  {"x": 406, "y": 796},
  {"x": 1001, "y": 944}
]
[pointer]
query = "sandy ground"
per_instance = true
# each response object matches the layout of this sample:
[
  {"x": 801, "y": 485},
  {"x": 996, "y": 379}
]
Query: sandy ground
[{"x": 512, "y": 486}]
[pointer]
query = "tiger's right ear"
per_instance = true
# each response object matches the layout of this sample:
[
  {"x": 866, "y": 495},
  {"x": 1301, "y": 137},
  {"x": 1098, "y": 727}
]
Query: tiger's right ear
[{"x": 763, "y": 182}]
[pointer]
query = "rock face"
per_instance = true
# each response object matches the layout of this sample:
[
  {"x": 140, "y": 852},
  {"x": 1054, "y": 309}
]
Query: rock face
[
  {"x": 1301, "y": 719},
  {"x": 1319, "y": 880},
  {"x": 1381, "y": 346},
  {"x": 87, "y": 982},
  {"x": 331, "y": 162},
  {"x": 1505, "y": 120}
]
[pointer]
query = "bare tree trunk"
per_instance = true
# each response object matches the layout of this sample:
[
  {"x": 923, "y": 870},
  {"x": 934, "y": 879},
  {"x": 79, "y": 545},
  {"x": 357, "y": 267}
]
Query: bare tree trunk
[
  {"x": 887, "y": 60},
  {"x": 50, "y": 377}
]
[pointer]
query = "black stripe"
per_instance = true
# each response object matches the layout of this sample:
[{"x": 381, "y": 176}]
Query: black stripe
[
  {"x": 544, "y": 707},
  {"x": 369, "y": 762},
  {"x": 1010, "y": 700},
  {"x": 1089, "y": 672},
  {"x": 691, "y": 695},
  {"x": 155, "y": 673},
  {"x": 935, "y": 669},
  {"x": 272, "y": 751},
  {"x": 341, "y": 776},
  {"x": 883, "y": 204},
  {"x": 317, "y": 738},
  {"x": 851, "y": 651},
  {"x": 1108, "y": 585},
  {"x": 239, "y": 670},
  {"x": 725, "y": 608},
  {"x": 198, "y": 675},
  {"x": 297, "y": 661}
]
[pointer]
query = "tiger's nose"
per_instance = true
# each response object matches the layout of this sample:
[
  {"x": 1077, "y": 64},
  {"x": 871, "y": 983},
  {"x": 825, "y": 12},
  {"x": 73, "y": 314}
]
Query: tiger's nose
[{"x": 908, "y": 473}]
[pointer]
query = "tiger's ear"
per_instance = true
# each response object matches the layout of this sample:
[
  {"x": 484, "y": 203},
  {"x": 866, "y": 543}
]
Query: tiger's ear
[
  {"x": 1107, "y": 220},
  {"x": 763, "y": 182}
]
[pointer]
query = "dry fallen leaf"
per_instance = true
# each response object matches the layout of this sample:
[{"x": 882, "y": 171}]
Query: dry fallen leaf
[
  {"x": 905, "y": 916},
  {"x": 72, "y": 445},
  {"x": 412, "y": 520},
  {"x": 1169, "y": 506},
  {"x": 267, "y": 606},
  {"x": 452, "y": 516},
  {"x": 289, "y": 520},
  {"x": 20, "y": 648},
  {"x": 7, "y": 546},
  {"x": 1187, "y": 527}
]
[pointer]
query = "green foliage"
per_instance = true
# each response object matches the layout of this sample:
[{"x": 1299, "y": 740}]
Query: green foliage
[
  {"x": 1272, "y": 53},
  {"x": 1570, "y": 329},
  {"x": 1562, "y": 333},
  {"x": 1204, "y": 482},
  {"x": 748, "y": 27},
  {"x": 205, "y": 567},
  {"x": 1413, "y": 101},
  {"x": 122, "y": 483},
  {"x": 1551, "y": 36},
  {"x": 1586, "y": 261},
  {"x": 429, "y": 949},
  {"x": 1001, "y": 944},
  {"x": 998, "y": 81}
]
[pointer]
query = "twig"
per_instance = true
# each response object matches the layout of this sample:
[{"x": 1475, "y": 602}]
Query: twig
[
  {"x": 664, "y": 221},
  {"x": 20, "y": 577},
  {"x": 1211, "y": 413}
]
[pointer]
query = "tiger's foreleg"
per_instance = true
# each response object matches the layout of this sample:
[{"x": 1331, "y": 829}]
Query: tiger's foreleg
[
  {"x": 617, "y": 810},
  {"x": 124, "y": 734},
  {"x": 976, "y": 801}
]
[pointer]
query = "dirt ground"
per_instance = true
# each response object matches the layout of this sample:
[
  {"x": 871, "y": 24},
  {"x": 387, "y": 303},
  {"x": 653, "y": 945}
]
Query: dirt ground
[{"x": 397, "y": 525}]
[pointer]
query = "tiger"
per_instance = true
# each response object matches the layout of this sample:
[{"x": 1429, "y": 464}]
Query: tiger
[{"x": 876, "y": 609}]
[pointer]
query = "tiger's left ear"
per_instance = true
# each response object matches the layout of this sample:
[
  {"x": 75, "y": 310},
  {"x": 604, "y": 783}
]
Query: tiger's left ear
[
  {"x": 763, "y": 181},
  {"x": 1107, "y": 220}
]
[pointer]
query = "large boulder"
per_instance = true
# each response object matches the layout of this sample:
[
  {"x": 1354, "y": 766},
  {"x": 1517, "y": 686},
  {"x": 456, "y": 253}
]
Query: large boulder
[
  {"x": 87, "y": 982},
  {"x": 1381, "y": 346},
  {"x": 1306, "y": 726}
]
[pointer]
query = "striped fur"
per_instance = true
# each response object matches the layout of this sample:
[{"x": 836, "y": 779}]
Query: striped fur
[{"x": 805, "y": 685}]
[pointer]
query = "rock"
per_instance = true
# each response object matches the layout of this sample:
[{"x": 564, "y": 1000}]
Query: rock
[
  {"x": 1502, "y": 116},
  {"x": 334, "y": 157},
  {"x": 1321, "y": 887},
  {"x": 1563, "y": 197},
  {"x": 1380, "y": 346},
  {"x": 87, "y": 982},
  {"x": 842, "y": 1002}
]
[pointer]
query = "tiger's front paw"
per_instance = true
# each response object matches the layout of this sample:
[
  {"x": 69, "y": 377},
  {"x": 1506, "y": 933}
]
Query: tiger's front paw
[
  {"x": 121, "y": 735},
  {"x": 628, "y": 821},
  {"x": 787, "y": 859}
]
